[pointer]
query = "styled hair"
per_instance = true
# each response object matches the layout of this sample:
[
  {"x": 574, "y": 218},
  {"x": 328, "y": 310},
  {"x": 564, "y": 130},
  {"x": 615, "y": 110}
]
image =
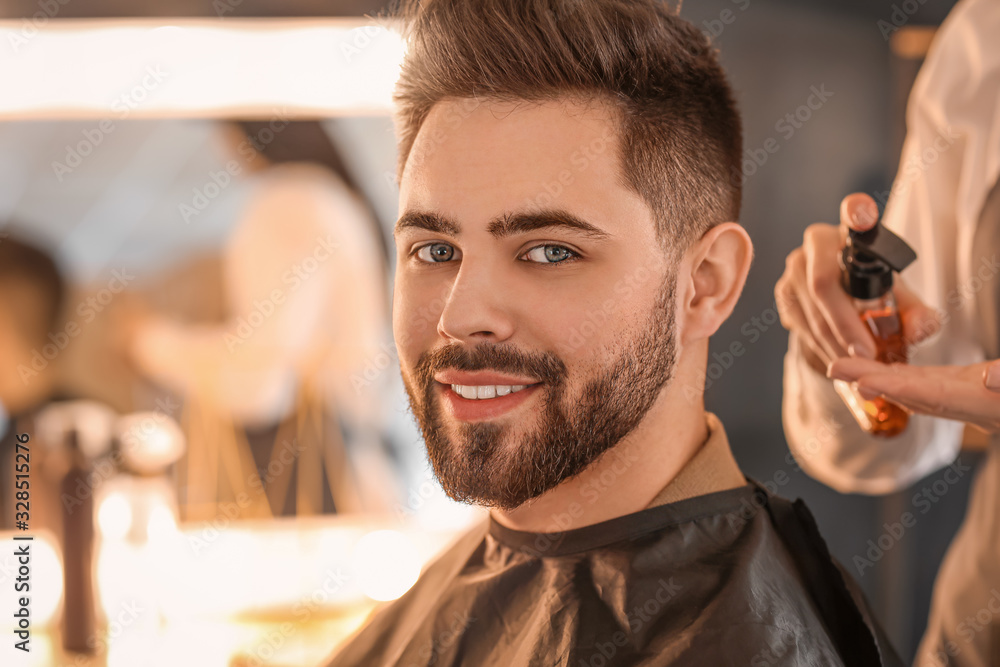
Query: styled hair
[{"x": 678, "y": 128}]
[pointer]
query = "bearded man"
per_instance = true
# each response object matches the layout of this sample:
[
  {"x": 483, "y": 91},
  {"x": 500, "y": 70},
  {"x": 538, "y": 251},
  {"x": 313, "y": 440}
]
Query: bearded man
[{"x": 567, "y": 244}]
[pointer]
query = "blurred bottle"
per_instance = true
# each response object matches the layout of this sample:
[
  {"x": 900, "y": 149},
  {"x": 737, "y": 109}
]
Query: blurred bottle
[{"x": 80, "y": 605}]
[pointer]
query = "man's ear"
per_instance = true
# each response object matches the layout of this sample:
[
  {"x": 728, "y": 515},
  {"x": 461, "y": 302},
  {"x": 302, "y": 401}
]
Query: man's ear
[{"x": 715, "y": 269}]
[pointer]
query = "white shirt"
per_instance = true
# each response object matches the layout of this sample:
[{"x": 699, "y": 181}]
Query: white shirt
[{"x": 949, "y": 166}]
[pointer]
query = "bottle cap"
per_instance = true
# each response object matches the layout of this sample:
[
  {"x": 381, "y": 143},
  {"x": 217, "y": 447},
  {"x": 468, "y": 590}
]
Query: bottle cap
[{"x": 869, "y": 259}]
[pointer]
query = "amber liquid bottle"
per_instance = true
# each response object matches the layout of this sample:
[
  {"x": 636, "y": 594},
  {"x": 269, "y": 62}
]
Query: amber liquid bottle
[
  {"x": 868, "y": 262},
  {"x": 882, "y": 318}
]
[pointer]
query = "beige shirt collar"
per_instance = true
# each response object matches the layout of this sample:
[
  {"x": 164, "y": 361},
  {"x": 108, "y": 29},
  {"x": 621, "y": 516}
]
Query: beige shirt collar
[{"x": 712, "y": 468}]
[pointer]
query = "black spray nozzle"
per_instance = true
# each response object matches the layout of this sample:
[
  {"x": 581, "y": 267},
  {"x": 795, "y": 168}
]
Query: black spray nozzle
[{"x": 869, "y": 259}]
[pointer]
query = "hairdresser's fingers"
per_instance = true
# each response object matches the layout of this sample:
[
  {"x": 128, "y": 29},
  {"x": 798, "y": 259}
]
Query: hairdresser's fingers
[
  {"x": 843, "y": 332},
  {"x": 794, "y": 319},
  {"x": 859, "y": 212},
  {"x": 920, "y": 321},
  {"x": 949, "y": 392}
]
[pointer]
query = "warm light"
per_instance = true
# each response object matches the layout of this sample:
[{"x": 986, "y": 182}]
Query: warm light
[
  {"x": 138, "y": 68},
  {"x": 386, "y": 564},
  {"x": 115, "y": 516},
  {"x": 162, "y": 526},
  {"x": 150, "y": 442}
]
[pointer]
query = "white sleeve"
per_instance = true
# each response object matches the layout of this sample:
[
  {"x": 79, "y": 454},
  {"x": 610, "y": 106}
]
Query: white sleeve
[{"x": 949, "y": 164}]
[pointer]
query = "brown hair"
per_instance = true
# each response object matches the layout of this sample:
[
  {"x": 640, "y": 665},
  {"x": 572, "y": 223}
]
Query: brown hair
[{"x": 679, "y": 131}]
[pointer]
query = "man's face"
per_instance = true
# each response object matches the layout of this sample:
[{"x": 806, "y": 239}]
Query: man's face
[{"x": 497, "y": 286}]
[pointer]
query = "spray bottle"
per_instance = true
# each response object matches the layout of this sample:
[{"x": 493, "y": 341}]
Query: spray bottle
[{"x": 867, "y": 263}]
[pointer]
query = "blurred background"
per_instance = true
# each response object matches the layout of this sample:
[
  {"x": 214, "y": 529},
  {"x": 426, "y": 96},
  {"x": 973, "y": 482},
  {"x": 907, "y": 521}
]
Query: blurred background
[{"x": 220, "y": 392}]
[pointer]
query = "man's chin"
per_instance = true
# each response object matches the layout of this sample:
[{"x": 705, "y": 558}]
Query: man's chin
[{"x": 490, "y": 495}]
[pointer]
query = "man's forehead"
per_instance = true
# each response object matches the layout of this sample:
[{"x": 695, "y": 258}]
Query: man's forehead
[
  {"x": 511, "y": 155},
  {"x": 554, "y": 128}
]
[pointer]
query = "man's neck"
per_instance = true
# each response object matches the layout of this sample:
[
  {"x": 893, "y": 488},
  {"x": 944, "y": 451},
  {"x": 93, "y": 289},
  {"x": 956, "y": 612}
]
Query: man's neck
[{"x": 627, "y": 477}]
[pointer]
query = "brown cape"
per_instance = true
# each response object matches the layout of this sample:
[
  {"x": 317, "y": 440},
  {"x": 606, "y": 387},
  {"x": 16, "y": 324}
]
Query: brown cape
[{"x": 736, "y": 577}]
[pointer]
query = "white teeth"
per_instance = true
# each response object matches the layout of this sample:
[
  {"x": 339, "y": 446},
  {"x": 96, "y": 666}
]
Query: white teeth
[{"x": 486, "y": 391}]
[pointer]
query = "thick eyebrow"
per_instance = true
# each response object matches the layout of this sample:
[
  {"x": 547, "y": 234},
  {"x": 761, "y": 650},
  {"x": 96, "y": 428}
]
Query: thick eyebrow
[{"x": 505, "y": 225}]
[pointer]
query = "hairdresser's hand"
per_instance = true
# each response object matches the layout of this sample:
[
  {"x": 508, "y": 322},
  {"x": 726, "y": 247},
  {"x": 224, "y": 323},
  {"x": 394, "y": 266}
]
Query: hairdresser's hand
[
  {"x": 967, "y": 393},
  {"x": 813, "y": 304}
]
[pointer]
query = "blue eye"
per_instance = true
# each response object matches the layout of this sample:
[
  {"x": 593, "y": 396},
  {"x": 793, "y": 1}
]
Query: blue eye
[
  {"x": 438, "y": 253},
  {"x": 551, "y": 254}
]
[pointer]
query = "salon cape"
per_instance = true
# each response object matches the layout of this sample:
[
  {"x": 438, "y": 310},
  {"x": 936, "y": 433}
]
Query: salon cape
[{"x": 733, "y": 577}]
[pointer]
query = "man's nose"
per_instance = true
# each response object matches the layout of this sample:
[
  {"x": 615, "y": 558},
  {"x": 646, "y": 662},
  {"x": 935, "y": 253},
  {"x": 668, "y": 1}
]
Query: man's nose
[{"x": 478, "y": 307}]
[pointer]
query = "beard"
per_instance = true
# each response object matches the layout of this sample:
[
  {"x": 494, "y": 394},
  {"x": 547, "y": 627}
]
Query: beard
[{"x": 489, "y": 464}]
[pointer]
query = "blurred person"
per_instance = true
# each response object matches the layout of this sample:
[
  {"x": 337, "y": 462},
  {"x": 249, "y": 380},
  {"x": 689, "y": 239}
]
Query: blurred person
[
  {"x": 945, "y": 203},
  {"x": 32, "y": 294},
  {"x": 305, "y": 283},
  {"x": 566, "y": 246}
]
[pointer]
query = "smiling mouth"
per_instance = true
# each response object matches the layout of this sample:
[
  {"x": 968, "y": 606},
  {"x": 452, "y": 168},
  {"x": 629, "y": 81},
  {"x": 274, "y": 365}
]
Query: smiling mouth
[{"x": 488, "y": 391}]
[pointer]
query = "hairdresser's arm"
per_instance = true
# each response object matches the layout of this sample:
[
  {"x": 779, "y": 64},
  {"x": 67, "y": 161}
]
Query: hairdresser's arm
[
  {"x": 824, "y": 326},
  {"x": 943, "y": 179}
]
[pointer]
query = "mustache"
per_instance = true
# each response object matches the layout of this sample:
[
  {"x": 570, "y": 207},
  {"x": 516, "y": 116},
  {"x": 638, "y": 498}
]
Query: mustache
[{"x": 500, "y": 357}]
